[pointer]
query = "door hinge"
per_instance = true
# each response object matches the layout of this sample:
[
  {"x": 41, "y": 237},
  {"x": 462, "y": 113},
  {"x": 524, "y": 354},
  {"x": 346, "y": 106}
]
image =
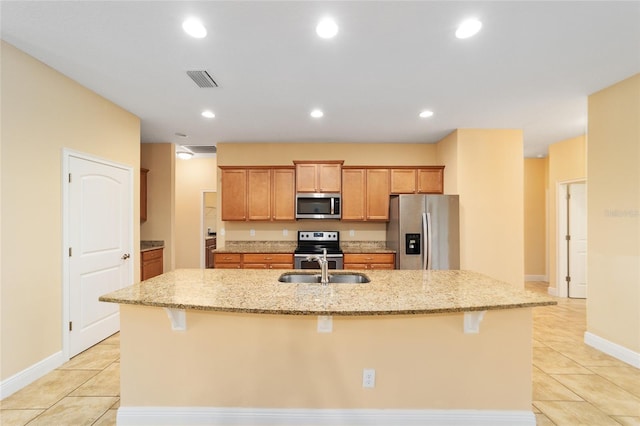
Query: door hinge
[
  {"x": 567, "y": 237},
  {"x": 568, "y": 279},
  {"x": 70, "y": 252},
  {"x": 69, "y": 177},
  {"x": 70, "y": 325}
]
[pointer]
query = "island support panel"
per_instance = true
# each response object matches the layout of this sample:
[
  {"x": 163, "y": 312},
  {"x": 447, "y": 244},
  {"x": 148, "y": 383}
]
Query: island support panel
[{"x": 245, "y": 362}]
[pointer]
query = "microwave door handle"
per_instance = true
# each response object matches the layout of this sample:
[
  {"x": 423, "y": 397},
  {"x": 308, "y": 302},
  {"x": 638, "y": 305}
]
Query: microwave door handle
[
  {"x": 425, "y": 246},
  {"x": 332, "y": 206}
]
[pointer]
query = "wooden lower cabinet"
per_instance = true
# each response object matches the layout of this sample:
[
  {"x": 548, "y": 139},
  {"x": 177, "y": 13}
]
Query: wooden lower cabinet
[
  {"x": 253, "y": 260},
  {"x": 227, "y": 260},
  {"x": 151, "y": 263},
  {"x": 267, "y": 261},
  {"x": 209, "y": 252},
  {"x": 369, "y": 261}
]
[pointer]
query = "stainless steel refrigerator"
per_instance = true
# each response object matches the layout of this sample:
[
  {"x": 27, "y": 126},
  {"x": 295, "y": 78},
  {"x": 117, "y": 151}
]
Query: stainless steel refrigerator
[{"x": 424, "y": 231}]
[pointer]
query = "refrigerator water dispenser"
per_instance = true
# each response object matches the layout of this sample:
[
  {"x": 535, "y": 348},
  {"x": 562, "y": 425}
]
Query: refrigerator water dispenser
[{"x": 412, "y": 243}]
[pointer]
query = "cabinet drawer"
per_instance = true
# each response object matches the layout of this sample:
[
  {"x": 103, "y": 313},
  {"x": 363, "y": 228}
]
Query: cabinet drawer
[
  {"x": 151, "y": 254},
  {"x": 369, "y": 258},
  {"x": 268, "y": 258},
  {"x": 227, "y": 258}
]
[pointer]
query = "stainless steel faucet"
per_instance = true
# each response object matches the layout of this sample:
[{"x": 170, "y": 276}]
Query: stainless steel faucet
[{"x": 324, "y": 266}]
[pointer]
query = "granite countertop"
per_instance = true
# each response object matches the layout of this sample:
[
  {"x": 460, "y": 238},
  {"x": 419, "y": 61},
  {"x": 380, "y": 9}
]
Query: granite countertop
[
  {"x": 395, "y": 292},
  {"x": 146, "y": 245},
  {"x": 290, "y": 246}
]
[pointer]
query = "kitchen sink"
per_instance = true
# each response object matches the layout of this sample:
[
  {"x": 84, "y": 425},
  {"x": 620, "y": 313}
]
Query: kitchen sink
[{"x": 335, "y": 278}]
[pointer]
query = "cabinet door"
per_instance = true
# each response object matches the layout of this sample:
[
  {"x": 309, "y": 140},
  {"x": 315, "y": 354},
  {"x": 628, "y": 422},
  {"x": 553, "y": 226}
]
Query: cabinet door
[
  {"x": 151, "y": 264},
  {"x": 306, "y": 178},
  {"x": 259, "y": 194},
  {"x": 284, "y": 194},
  {"x": 353, "y": 194},
  {"x": 227, "y": 260},
  {"x": 329, "y": 177},
  {"x": 377, "y": 194},
  {"x": 234, "y": 194},
  {"x": 403, "y": 181},
  {"x": 431, "y": 180}
]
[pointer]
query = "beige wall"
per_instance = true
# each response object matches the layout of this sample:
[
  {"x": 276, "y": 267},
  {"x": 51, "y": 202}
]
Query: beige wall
[
  {"x": 489, "y": 179},
  {"x": 535, "y": 217},
  {"x": 613, "y": 209},
  {"x": 567, "y": 162},
  {"x": 42, "y": 113},
  {"x": 192, "y": 178},
  {"x": 271, "y": 361},
  {"x": 159, "y": 159},
  {"x": 243, "y": 154}
]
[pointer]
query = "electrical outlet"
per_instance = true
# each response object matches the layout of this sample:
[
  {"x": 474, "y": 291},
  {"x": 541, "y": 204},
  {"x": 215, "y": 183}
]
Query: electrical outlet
[
  {"x": 285, "y": 232},
  {"x": 352, "y": 232},
  {"x": 252, "y": 232},
  {"x": 368, "y": 378}
]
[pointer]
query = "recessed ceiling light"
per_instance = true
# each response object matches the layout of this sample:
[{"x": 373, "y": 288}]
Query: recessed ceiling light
[
  {"x": 317, "y": 113},
  {"x": 208, "y": 114},
  {"x": 327, "y": 28},
  {"x": 468, "y": 28},
  {"x": 194, "y": 28},
  {"x": 426, "y": 114}
]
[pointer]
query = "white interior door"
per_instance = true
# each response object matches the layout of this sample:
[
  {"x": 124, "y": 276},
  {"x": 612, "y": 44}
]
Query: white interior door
[
  {"x": 100, "y": 212},
  {"x": 577, "y": 240}
]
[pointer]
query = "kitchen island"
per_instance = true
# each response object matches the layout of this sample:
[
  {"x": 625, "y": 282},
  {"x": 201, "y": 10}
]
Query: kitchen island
[{"x": 238, "y": 347}]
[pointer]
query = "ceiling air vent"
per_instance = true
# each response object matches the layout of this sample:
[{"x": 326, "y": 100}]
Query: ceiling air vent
[
  {"x": 201, "y": 149},
  {"x": 202, "y": 79}
]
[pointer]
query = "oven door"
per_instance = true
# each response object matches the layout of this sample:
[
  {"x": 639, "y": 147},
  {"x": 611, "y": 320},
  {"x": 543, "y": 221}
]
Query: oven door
[{"x": 334, "y": 261}]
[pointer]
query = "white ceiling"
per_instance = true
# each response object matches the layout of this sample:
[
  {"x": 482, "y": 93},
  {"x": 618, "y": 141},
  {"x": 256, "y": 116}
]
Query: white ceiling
[{"x": 531, "y": 67}]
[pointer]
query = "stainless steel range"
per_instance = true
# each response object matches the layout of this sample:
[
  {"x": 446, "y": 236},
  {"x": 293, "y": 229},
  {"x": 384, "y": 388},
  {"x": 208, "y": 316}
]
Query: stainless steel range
[{"x": 312, "y": 243}]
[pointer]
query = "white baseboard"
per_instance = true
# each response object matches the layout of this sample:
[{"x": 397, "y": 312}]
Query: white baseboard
[
  {"x": 31, "y": 374},
  {"x": 536, "y": 278},
  {"x": 552, "y": 291},
  {"x": 192, "y": 416},
  {"x": 613, "y": 349}
]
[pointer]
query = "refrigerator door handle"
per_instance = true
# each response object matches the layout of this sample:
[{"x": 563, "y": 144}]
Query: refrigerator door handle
[
  {"x": 425, "y": 245},
  {"x": 429, "y": 241}
]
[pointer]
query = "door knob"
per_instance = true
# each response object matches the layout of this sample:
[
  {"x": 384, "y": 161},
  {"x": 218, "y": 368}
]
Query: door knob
[{"x": 126, "y": 256}]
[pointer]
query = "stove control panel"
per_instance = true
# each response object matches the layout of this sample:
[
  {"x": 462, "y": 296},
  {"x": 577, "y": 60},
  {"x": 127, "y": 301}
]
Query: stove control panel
[{"x": 318, "y": 236}]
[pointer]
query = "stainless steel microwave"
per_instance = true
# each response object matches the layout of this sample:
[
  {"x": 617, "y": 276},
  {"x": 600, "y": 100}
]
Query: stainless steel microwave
[{"x": 318, "y": 206}]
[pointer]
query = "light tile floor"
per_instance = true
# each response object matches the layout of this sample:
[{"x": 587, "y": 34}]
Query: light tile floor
[{"x": 573, "y": 384}]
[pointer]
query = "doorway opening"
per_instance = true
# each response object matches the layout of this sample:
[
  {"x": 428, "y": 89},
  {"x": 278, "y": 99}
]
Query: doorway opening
[
  {"x": 572, "y": 239},
  {"x": 209, "y": 227}
]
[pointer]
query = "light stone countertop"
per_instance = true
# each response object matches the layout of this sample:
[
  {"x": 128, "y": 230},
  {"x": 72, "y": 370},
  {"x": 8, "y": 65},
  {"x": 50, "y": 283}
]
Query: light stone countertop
[
  {"x": 146, "y": 245},
  {"x": 395, "y": 292},
  {"x": 290, "y": 246}
]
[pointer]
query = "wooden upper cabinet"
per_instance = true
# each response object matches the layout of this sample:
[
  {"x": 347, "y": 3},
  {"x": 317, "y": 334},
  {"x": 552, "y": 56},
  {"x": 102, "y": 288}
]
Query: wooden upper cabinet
[
  {"x": 377, "y": 194},
  {"x": 234, "y": 194},
  {"x": 143, "y": 194},
  {"x": 314, "y": 176},
  {"x": 365, "y": 194},
  {"x": 284, "y": 194},
  {"x": 353, "y": 194},
  {"x": 431, "y": 180},
  {"x": 403, "y": 181},
  {"x": 417, "y": 180},
  {"x": 258, "y": 193}
]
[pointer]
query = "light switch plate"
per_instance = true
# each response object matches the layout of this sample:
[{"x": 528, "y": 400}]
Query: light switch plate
[{"x": 252, "y": 232}]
